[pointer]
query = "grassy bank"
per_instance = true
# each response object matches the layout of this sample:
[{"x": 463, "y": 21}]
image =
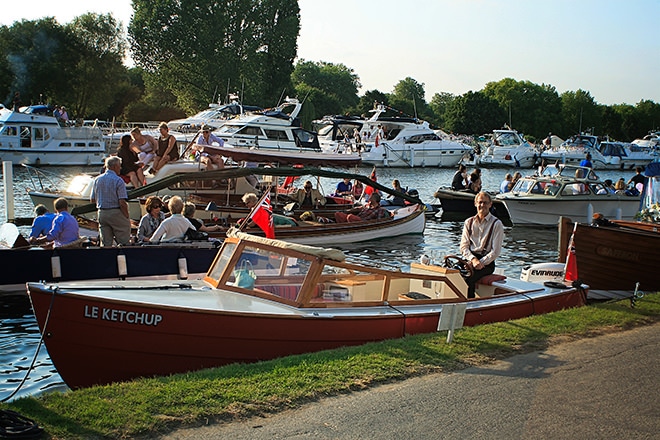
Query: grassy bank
[{"x": 157, "y": 405}]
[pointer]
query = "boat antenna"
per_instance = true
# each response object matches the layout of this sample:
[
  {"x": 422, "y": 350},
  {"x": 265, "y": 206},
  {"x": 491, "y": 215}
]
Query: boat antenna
[
  {"x": 215, "y": 92},
  {"x": 281, "y": 96},
  {"x": 414, "y": 105},
  {"x": 305, "y": 98},
  {"x": 227, "y": 95}
]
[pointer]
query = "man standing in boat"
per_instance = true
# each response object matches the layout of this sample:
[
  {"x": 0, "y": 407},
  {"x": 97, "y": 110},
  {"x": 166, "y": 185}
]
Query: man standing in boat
[
  {"x": 109, "y": 194},
  {"x": 481, "y": 241}
]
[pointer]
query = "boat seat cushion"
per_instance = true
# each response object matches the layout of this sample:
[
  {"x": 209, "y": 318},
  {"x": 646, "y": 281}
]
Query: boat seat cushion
[{"x": 488, "y": 280}]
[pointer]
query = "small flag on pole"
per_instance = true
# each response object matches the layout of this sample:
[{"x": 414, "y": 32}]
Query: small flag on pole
[
  {"x": 571, "y": 269},
  {"x": 262, "y": 216}
]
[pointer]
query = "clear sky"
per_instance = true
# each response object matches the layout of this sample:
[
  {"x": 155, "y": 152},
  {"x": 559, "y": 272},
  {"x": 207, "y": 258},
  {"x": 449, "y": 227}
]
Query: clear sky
[{"x": 610, "y": 48}]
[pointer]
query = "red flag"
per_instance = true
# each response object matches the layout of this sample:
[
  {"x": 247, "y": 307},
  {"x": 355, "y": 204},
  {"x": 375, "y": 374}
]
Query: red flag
[
  {"x": 571, "y": 269},
  {"x": 288, "y": 181},
  {"x": 262, "y": 216}
]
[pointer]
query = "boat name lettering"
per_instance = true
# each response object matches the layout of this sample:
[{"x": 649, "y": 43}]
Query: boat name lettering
[
  {"x": 617, "y": 253},
  {"x": 548, "y": 273},
  {"x": 116, "y": 315}
]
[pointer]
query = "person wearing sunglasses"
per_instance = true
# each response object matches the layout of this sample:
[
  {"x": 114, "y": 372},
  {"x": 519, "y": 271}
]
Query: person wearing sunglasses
[{"x": 151, "y": 220}]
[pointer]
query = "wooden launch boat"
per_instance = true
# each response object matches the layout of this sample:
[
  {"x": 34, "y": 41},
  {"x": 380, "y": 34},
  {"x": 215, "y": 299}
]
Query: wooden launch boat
[
  {"x": 618, "y": 254},
  {"x": 21, "y": 262},
  {"x": 261, "y": 299}
]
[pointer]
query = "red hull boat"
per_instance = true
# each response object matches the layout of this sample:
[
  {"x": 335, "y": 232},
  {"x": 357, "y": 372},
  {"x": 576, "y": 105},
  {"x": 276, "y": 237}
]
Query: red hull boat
[{"x": 261, "y": 299}]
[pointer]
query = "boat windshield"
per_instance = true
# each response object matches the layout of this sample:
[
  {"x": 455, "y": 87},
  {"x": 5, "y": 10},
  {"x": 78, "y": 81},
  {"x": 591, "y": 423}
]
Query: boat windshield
[{"x": 507, "y": 139}]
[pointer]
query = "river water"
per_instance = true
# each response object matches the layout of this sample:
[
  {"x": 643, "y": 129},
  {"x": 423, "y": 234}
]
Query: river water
[{"x": 19, "y": 333}]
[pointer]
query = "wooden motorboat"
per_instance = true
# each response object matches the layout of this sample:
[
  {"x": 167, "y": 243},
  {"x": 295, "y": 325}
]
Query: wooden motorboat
[
  {"x": 21, "y": 262},
  {"x": 618, "y": 254},
  {"x": 261, "y": 299},
  {"x": 574, "y": 192}
]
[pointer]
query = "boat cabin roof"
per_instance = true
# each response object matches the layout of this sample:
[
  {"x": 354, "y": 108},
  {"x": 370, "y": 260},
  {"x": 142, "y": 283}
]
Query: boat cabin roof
[{"x": 307, "y": 276}]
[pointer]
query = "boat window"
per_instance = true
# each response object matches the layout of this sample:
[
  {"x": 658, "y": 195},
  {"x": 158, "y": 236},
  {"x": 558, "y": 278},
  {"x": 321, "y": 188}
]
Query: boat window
[
  {"x": 523, "y": 186},
  {"x": 228, "y": 129},
  {"x": 506, "y": 139},
  {"x": 250, "y": 131},
  {"x": 221, "y": 262},
  {"x": 10, "y": 131},
  {"x": 575, "y": 189},
  {"x": 65, "y": 144},
  {"x": 269, "y": 272},
  {"x": 276, "y": 135}
]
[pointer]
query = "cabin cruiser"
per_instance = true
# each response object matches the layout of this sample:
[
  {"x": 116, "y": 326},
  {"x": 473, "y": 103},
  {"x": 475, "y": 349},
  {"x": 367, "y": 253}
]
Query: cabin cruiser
[
  {"x": 575, "y": 192},
  {"x": 508, "y": 148},
  {"x": 38, "y": 139},
  {"x": 604, "y": 155},
  {"x": 277, "y": 128},
  {"x": 406, "y": 142}
]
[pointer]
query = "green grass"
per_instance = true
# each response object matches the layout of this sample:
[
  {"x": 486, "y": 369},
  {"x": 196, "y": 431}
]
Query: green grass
[{"x": 157, "y": 405}]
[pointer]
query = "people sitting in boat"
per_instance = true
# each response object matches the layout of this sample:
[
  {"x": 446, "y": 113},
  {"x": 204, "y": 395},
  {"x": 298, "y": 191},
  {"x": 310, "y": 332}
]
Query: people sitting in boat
[
  {"x": 64, "y": 230},
  {"x": 175, "y": 226},
  {"x": 620, "y": 187},
  {"x": 206, "y": 156},
  {"x": 358, "y": 189},
  {"x": 41, "y": 224},
  {"x": 344, "y": 188},
  {"x": 459, "y": 181},
  {"x": 131, "y": 171},
  {"x": 151, "y": 220},
  {"x": 551, "y": 188},
  {"x": 370, "y": 190},
  {"x": 637, "y": 180},
  {"x": 516, "y": 177},
  {"x": 607, "y": 187},
  {"x": 579, "y": 187},
  {"x": 481, "y": 241},
  {"x": 371, "y": 211},
  {"x": 504, "y": 186},
  {"x": 309, "y": 216},
  {"x": 475, "y": 183},
  {"x": 309, "y": 197},
  {"x": 167, "y": 150},
  {"x": 189, "y": 213},
  {"x": 144, "y": 145},
  {"x": 396, "y": 200},
  {"x": 251, "y": 200}
]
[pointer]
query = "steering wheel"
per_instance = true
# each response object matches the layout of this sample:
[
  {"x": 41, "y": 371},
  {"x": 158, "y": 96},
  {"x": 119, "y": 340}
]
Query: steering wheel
[{"x": 460, "y": 264}]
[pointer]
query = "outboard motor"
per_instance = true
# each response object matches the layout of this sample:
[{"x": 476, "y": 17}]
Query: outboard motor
[{"x": 542, "y": 272}]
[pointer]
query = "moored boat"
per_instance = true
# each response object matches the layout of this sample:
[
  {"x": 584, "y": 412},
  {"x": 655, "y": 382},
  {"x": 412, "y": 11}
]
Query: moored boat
[
  {"x": 618, "y": 254},
  {"x": 262, "y": 299},
  {"x": 38, "y": 139},
  {"x": 574, "y": 192}
]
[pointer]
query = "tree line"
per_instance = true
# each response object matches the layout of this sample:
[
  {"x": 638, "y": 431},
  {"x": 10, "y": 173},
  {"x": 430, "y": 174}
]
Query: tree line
[{"x": 188, "y": 54}]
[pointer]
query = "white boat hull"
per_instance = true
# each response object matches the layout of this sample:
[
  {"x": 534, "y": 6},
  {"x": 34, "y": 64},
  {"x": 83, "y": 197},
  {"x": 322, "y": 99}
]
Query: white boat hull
[
  {"x": 419, "y": 155},
  {"x": 539, "y": 211}
]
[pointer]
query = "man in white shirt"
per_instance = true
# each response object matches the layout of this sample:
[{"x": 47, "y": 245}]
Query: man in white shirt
[
  {"x": 175, "y": 226},
  {"x": 481, "y": 241}
]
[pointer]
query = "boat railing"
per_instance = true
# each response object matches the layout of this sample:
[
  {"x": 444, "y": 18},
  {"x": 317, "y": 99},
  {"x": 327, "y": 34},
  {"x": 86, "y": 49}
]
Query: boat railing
[
  {"x": 45, "y": 181},
  {"x": 80, "y": 133}
]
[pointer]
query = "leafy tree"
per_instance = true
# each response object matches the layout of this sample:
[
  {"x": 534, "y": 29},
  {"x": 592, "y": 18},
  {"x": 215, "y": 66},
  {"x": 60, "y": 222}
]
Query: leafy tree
[
  {"x": 580, "y": 113},
  {"x": 369, "y": 100},
  {"x": 473, "y": 113},
  {"x": 330, "y": 87},
  {"x": 408, "y": 97},
  {"x": 439, "y": 104},
  {"x": 96, "y": 71},
  {"x": 35, "y": 59},
  {"x": 194, "y": 47},
  {"x": 532, "y": 109}
]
